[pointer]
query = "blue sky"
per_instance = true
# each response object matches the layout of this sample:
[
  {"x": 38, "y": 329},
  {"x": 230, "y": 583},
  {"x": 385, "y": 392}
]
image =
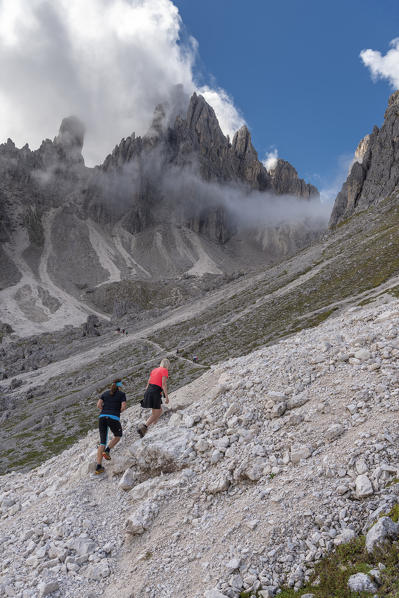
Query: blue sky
[{"x": 293, "y": 70}]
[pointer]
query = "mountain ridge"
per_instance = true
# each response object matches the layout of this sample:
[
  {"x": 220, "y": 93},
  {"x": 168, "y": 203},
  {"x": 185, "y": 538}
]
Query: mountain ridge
[{"x": 161, "y": 206}]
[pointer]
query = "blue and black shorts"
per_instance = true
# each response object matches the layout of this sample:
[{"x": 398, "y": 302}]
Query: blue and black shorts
[{"x": 108, "y": 422}]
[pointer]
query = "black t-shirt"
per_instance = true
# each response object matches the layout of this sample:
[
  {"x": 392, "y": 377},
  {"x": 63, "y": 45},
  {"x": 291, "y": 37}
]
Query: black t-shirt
[{"x": 112, "y": 403}]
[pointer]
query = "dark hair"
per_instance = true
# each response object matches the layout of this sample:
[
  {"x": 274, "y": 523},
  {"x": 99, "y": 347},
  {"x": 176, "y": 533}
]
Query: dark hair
[{"x": 114, "y": 387}]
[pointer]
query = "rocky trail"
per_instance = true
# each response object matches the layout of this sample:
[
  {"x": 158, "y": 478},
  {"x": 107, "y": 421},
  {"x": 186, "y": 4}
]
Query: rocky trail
[{"x": 262, "y": 465}]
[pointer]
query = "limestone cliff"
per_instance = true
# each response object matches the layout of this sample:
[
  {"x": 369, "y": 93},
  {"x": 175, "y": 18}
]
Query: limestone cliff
[{"x": 375, "y": 171}]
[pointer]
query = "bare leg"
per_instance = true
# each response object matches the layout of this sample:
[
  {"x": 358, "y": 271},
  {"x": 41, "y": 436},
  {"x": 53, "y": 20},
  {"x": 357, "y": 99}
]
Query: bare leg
[
  {"x": 114, "y": 441},
  {"x": 154, "y": 417},
  {"x": 100, "y": 450}
]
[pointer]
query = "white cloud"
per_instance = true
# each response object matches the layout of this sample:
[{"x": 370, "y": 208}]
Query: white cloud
[
  {"x": 383, "y": 67},
  {"x": 229, "y": 118},
  {"x": 109, "y": 62},
  {"x": 270, "y": 160}
]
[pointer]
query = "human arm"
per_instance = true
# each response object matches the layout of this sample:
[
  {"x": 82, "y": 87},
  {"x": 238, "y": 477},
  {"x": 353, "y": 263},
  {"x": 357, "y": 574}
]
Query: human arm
[
  {"x": 148, "y": 383},
  {"x": 165, "y": 388},
  {"x": 123, "y": 406},
  {"x": 100, "y": 403}
]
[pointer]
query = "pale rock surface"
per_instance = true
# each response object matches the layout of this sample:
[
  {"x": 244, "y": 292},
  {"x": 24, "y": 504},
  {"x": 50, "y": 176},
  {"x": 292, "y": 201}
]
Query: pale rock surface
[
  {"x": 214, "y": 594},
  {"x": 345, "y": 536},
  {"x": 360, "y": 582},
  {"x": 385, "y": 529},
  {"x": 127, "y": 480},
  {"x": 363, "y": 486}
]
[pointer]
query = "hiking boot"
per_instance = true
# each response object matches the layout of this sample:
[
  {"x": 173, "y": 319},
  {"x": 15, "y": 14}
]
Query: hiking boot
[
  {"x": 106, "y": 455},
  {"x": 142, "y": 430},
  {"x": 99, "y": 470}
]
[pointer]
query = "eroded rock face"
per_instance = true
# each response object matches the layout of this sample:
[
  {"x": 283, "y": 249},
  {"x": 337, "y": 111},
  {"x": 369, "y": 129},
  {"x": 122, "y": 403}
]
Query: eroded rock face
[{"x": 375, "y": 172}]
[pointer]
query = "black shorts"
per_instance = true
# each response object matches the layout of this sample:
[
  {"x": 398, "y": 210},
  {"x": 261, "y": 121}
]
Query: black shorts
[
  {"x": 152, "y": 397},
  {"x": 113, "y": 424}
]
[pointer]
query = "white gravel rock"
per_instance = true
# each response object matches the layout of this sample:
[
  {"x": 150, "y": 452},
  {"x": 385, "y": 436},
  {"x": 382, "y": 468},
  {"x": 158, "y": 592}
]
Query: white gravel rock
[
  {"x": 361, "y": 466},
  {"x": 334, "y": 432},
  {"x": 363, "y": 486},
  {"x": 141, "y": 520},
  {"x": 127, "y": 480},
  {"x": 214, "y": 594},
  {"x": 218, "y": 484},
  {"x": 47, "y": 588},
  {"x": 300, "y": 452},
  {"x": 347, "y": 535},
  {"x": 362, "y": 354},
  {"x": 233, "y": 564}
]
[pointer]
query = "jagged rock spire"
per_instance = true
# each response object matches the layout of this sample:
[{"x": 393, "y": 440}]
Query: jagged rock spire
[
  {"x": 375, "y": 172},
  {"x": 70, "y": 138}
]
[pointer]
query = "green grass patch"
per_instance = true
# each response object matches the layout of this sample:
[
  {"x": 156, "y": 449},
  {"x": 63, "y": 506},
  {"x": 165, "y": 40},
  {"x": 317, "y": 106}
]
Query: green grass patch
[
  {"x": 394, "y": 513},
  {"x": 330, "y": 579}
]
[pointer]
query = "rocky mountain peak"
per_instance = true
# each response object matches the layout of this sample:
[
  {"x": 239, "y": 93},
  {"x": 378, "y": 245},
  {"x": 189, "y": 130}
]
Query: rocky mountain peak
[
  {"x": 71, "y": 133},
  {"x": 158, "y": 123},
  {"x": 249, "y": 168},
  {"x": 70, "y": 138},
  {"x": 285, "y": 181},
  {"x": 393, "y": 103},
  {"x": 242, "y": 143},
  {"x": 375, "y": 172},
  {"x": 202, "y": 121},
  {"x": 362, "y": 148}
]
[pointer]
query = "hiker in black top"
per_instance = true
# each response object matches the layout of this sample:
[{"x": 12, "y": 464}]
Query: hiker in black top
[{"x": 112, "y": 403}]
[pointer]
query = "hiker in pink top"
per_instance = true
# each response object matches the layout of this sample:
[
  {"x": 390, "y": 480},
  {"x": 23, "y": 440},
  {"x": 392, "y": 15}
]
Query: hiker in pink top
[{"x": 156, "y": 387}]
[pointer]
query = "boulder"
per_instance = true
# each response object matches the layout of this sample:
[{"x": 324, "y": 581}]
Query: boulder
[
  {"x": 278, "y": 409},
  {"x": 363, "y": 486},
  {"x": 47, "y": 587},
  {"x": 363, "y": 354},
  {"x": 142, "y": 490},
  {"x": 218, "y": 484},
  {"x": 334, "y": 431},
  {"x": 361, "y": 466},
  {"x": 360, "y": 582},
  {"x": 214, "y": 594},
  {"x": 384, "y": 530},
  {"x": 90, "y": 327},
  {"x": 300, "y": 452},
  {"x": 127, "y": 480},
  {"x": 162, "y": 450},
  {"x": 142, "y": 518},
  {"x": 347, "y": 535}
]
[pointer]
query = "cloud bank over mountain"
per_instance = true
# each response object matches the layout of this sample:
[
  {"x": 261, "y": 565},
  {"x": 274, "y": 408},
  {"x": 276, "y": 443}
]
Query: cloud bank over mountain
[{"x": 107, "y": 61}]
